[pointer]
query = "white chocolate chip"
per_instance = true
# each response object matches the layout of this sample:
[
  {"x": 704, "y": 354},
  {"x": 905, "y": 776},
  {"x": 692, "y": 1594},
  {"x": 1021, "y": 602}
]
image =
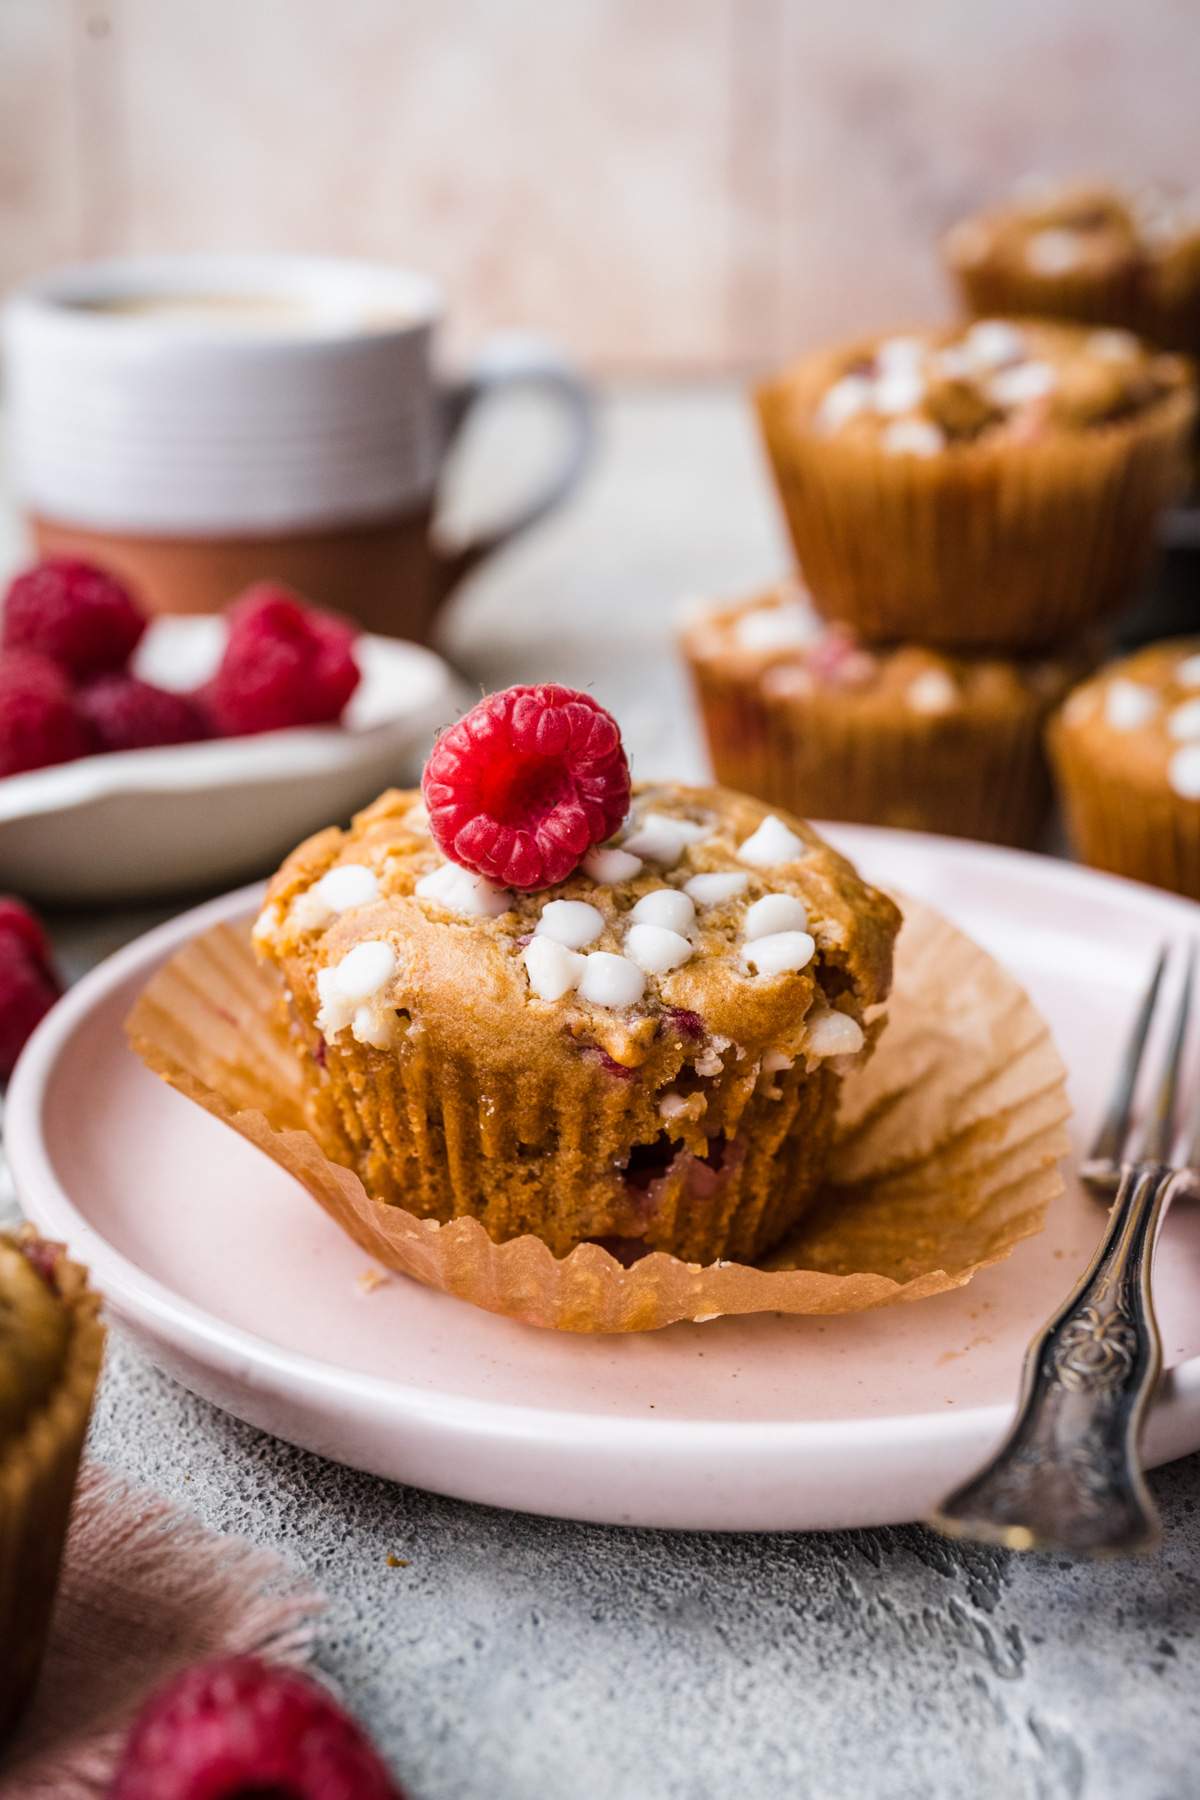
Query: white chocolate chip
[
  {"x": 991, "y": 343},
  {"x": 1024, "y": 381},
  {"x": 553, "y": 970},
  {"x": 266, "y": 926},
  {"x": 1128, "y": 704},
  {"x": 460, "y": 891},
  {"x": 365, "y": 969},
  {"x": 1053, "y": 251},
  {"x": 783, "y": 952},
  {"x": 898, "y": 391},
  {"x": 1112, "y": 346},
  {"x": 570, "y": 922},
  {"x": 933, "y": 691},
  {"x": 656, "y": 949},
  {"x": 1184, "y": 722},
  {"x": 1187, "y": 672},
  {"x": 667, "y": 907},
  {"x": 372, "y": 1025},
  {"x": 900, "y": 353},
  {"x": 842, "y": 402},
  {"x": 606, "y": 865},
  {"x": 662, "y": 840},
  {"x": 771, "y": 845},
  {"x": 672, "y": 1105},
  {"x": 610, "y": 980},
  {"x": 1183, "y": 772},
  {"x": 832, "y": 1033},
  {"x": 350, "y": 884},
  {"x": 912, "y": 437},
  {"x": 786, "y": 627},
  {"x": 711, "y": 890},
  {"x": 774, "y": 912},
  {"x": 775, "y": 1061}
]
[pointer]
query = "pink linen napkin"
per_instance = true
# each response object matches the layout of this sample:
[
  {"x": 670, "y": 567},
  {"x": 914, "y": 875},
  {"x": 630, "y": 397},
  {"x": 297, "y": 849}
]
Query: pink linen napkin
[{"x": 145, "y": 1591}]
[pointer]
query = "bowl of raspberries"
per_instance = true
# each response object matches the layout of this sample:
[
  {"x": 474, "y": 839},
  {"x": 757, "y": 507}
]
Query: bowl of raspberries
[{"x": 144, "y": 757}]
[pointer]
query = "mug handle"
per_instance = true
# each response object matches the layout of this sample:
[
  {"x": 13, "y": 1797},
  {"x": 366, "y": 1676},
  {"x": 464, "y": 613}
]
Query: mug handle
[{"x": 515, "y": 359}]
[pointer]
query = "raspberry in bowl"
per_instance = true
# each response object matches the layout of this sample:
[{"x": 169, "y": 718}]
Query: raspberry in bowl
[{"x": 636, "y": 1036}]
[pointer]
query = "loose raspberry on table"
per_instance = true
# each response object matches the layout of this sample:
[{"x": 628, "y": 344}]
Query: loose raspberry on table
[
  {"x": 285, "y": 664},
  {"x": 39, "y": 721},
  {"x": 126, "y": 714},
  {"x": 523, "y": 786},
  {"x": 77, "y": 615},
  {"x": 29, "y": 983},
  {"x": 240, "y": 1726}
]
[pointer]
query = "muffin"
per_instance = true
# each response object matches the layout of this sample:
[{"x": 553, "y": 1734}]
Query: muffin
[
  {"x": 808, "y": 717},
  {"x": 1127, "y": 257},
  {"x": 992, "y": 487},
  {"x": 50, "y": 1348},
  {"x": 1126, "y": 755},
  {"x": 644, "y": 1051}
]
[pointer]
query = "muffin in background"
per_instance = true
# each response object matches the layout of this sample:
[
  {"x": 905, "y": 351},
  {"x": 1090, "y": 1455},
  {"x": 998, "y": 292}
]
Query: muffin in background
[
  {"x": 995, "y": 486},
  {"x": 1105, "y": 253},
  {"x": 51, "y": 1342},
  {"x": 1126, "y": 755},
  {"x": 633, "y": 1055},
  {"x": 809, "y": 718}
]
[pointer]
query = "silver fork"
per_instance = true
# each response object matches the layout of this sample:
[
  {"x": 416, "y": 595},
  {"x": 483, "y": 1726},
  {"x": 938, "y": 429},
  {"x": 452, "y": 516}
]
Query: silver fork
[{"x": 1068, "y": 1477}]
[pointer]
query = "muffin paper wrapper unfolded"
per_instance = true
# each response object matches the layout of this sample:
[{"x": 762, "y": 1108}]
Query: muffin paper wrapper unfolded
[{"x": 946, "y": 1153}]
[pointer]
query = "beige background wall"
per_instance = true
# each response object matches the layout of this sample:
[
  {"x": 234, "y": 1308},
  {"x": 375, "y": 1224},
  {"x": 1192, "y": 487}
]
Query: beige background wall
[{"x": 670, "y": 186}]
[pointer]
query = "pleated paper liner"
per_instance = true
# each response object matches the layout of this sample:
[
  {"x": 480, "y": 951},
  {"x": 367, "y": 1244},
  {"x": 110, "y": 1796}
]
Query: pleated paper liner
[
  {"x": 37, "y": 1479},
  {"x": 946, "y": 1156},
  {"x": 1129, "y": 827}
]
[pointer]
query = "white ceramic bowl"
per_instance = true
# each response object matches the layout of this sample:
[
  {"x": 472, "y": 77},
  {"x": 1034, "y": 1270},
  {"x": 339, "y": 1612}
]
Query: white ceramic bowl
[{"x": 142, "y": 823}]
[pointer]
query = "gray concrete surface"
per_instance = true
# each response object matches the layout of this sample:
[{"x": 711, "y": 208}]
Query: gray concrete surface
[{"x": 517, "y": 1658}]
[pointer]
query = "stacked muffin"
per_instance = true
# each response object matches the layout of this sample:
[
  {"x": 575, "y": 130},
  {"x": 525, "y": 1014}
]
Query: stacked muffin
[{"x": 966, "y": 505}]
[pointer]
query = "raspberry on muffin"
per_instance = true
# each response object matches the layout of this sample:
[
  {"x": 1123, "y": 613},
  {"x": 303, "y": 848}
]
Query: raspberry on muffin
[{"x": 646, "y": 1049}]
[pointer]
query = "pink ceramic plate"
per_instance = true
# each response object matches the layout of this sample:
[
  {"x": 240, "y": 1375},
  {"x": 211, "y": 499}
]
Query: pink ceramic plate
[{"x": 239, "y": 1286}]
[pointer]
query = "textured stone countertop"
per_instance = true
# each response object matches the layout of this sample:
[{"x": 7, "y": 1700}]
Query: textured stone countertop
[{"x": 515, "y": 1656}]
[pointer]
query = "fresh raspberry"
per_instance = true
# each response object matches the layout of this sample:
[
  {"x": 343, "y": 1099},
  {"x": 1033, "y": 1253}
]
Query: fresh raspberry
[
  {"x": 73, "y": 613},
  {"x": 225, "y": 1730},
  {"x": 39, "y": 721},
  {"x": 285, "y": 664},
  {"x": 523, "y": 786},
  {"x": 127, "y": 714},
  {"x": 29, "y": 983}
]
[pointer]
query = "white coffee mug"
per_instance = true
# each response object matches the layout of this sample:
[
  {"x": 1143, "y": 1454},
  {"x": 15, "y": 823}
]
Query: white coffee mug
[{"x": 196, "y": 423}]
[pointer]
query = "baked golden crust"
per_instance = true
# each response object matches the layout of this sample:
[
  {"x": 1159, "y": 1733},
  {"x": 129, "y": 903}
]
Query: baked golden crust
[
  {"x": 1126, "y": 752},
  {"x": 1087, "y": 251},
  {"x": 545, "y": 1115},
  {"x": 1012, "y": 529},
  {"x": 899, "y": 735}
]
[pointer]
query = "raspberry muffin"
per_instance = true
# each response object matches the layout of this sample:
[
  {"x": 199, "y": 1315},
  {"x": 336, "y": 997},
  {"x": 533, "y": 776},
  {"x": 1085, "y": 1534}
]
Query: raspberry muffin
[
  {"x": 991, "y": 487},
  {"x": 1126, "y": 754},
  {"x": 50, "y": 1347},
  {"x": 591, "y": 1023},
  {"x": 1128, "y": 257},
  {"x": 809, "y": 717}
]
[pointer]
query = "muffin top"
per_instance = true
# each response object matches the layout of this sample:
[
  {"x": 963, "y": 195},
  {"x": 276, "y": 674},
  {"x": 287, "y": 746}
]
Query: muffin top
[
  {"x": 919, "y": 393},
  {"x": 1139, "y": 718},
  {"x": 710, "y": 923},
  {"x": 1081, "y": 229},
  {"x": 777, "y": 638},
  {"x": 34, "y": 1329}
]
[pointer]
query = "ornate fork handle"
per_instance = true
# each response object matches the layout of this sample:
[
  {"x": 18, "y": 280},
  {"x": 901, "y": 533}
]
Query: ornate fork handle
[{"x": 1068, "y": 1476}]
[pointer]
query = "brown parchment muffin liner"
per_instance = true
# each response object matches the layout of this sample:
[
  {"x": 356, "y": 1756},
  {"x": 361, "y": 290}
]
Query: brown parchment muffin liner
[
  {"x": 977, "y": 770},
  {"x": 946, "y": 1152},
  {"x": 37, "y": 1479},
  {"x": 1126, "y": 825},
  {"x": 992, "y": 544}
]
